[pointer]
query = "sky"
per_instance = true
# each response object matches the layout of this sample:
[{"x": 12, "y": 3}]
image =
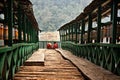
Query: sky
[{"x": 52, "y": 14}]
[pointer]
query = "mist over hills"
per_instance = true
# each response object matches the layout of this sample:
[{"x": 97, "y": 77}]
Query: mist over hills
[{"x": 52, "y": 14}]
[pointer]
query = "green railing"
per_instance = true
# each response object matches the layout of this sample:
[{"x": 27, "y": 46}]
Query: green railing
[
  {"x": 104, "y": 55},
  {"x": 11, "y": 58}
]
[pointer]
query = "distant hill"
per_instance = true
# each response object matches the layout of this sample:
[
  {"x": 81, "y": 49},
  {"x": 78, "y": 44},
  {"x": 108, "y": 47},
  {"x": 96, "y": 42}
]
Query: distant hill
[{"x": 52, "y": 14}]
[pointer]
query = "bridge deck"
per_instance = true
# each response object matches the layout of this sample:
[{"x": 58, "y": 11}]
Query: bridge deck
[
  {"x": 55, "y": 68},
  {"x": 92, "y": 71}
]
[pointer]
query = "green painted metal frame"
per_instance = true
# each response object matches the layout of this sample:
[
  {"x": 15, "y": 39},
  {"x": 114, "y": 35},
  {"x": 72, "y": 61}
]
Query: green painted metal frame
[
  {"x": 11, "y": 58},
  {"x": 19, "y": 24},
  {"x": 104, "y": 55},
  {"x": 99, "y": 24},
  {"x": 114, "y": 21},
  {"x": 89, "y": 27},
  {"x": 83, "y": 30},
  {"x": 10, "y": 21},
  {"x": 76, "y": 33}
]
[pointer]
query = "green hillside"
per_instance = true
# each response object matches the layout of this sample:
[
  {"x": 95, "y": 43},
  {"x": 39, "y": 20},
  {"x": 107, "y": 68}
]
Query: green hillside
[{"x": 52, "y": 14}]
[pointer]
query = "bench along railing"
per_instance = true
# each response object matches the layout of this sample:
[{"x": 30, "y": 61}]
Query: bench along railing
[
  {"x": 104, "y": 55},
  {"x": 11, "y": 58}
]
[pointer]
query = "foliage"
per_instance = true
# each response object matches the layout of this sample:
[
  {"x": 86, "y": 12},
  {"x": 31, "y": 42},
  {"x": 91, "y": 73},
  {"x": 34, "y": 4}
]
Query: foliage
[{"x": 52, "y": 14}]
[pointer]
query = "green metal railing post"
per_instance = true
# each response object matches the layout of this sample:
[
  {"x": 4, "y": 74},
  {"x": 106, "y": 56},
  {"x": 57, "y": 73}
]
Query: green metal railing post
[
  {"x": 37, "y": 36},
  {"x": 24, "y": 27},
  {"x": 61, "y": 39},
  {"x": 76, "y": 25},
  {"x": 61, "y": 31},
  {"x": 19, "y": 23},
  {"x": 27, "y": 30},
  {"x": 10, "y": 21},
  {"x": 114, "y": 21},
  {"x": 60, "y": 34},
  {"x": 30, "y": 32},
  {"x": 69, "y": 32},
  {"x": 72, "y": 31},
  {"x": 66, "y": 34},
  {"x": 99, "y": 24},
  {"x": 83, "y": 30},
  {"x": 5, "y": 20},
  {"x": 89, "y": 27}
]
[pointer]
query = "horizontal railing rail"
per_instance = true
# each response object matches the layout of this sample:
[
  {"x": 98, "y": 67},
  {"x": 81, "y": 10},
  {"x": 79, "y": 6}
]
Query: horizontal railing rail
[
  {"x": 11, "y": 58},
  {"x": 104, "y": 55}
]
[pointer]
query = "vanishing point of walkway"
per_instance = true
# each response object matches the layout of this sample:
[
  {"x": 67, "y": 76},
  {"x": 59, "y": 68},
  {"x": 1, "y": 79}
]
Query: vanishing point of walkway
[{"x": 55, "y": 68}]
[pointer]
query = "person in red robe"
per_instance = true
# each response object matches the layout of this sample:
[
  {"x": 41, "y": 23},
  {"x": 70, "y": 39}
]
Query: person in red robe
[
  {"x": 49, "y": 46},
  {"x": 55, "y": 45}
]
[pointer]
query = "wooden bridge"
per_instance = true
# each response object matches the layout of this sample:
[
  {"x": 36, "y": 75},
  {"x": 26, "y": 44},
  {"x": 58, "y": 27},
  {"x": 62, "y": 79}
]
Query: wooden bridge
[
  {"x": 89, "y": 48},
  {"x": 60, "y": 65},
  {"x": 55, "y": 68}
]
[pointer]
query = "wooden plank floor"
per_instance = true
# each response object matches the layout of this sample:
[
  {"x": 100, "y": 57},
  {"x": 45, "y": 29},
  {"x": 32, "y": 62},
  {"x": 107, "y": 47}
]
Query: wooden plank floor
[
  {"x": 92, "y": 71},
  {"x": 55, "y": 68}
]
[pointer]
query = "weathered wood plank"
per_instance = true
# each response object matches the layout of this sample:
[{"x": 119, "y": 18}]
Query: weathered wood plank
[
  {"x": 37, "y": 59},
  {"x": 92, "y": 71}
]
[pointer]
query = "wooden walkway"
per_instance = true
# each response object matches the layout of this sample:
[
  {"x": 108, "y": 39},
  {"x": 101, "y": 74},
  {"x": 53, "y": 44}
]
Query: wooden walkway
[
  {"x": 55, "y": 68},
  {"x": 90, "y": 70}
]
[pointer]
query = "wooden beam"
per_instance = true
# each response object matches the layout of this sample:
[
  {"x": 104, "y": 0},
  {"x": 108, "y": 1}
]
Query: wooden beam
[{"x": 105, "y": 3}]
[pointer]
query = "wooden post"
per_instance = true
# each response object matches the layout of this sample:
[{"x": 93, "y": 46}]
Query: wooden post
[
  {"x": 10, "y": 21},
  {"x": 114, "y": 21},
  {"x": 99, "y": 24}
]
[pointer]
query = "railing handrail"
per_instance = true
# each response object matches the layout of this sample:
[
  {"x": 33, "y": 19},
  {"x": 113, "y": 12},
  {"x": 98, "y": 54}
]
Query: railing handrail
[
  {"x": 7, "y": 48},
  {"x": 104, "y": 55},
  {"x": 94, "y": 44}
]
